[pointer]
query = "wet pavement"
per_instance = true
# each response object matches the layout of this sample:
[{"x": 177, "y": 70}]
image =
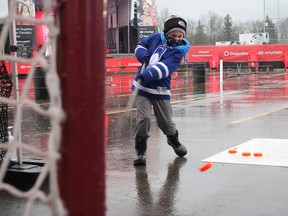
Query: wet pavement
[
  {"x": 251, "y": 106},
  {"x": 34, "y": 131},
  {"x": 209, "y": 121}
]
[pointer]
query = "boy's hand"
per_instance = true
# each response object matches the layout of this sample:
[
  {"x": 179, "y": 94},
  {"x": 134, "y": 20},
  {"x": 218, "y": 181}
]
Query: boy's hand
[
  {"x": 140, "y": 79},
  {"x": 145, "y": 60}
]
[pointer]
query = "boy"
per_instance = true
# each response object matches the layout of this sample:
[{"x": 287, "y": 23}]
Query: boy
[{"x": 161, "y": 53}]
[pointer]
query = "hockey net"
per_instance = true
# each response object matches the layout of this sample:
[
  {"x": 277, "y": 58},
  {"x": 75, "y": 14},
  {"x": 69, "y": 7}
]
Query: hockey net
[{"x": 53, "y": 112}]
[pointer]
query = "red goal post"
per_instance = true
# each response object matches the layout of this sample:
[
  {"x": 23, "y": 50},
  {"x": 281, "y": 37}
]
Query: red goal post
[{"x": 81, "y": 67}]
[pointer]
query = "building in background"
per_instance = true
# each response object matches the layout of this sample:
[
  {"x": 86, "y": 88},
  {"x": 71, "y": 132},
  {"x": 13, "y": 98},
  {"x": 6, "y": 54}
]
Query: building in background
[
  {"x": 254, "y": 38},
  {"x": 129, "y": 21},
  {"x": 248, "y": 39}
]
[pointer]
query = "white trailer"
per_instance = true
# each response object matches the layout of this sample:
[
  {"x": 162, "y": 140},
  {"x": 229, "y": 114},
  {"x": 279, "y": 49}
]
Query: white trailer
[
  {"x": 254, "y": 38},
  {"x": 225, "y": 43}
]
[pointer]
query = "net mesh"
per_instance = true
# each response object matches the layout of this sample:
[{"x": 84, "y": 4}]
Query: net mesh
[
  {"x": 5, "y": 91},
  {"x": 54, "y": 112}
]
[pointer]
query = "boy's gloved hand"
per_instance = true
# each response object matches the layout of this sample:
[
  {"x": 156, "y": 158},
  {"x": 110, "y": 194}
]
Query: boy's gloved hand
[
  {"x": 145, "y": 60},
  {"x": 140, "y": 79}
]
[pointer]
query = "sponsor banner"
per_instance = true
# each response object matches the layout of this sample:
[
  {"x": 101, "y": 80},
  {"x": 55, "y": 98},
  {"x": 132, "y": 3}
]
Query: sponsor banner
[
  {"x": 42, "y": 31},
  {"x": 146, "y": 16},
  {"x": 25, "y": 36},
  {"x": 146, "y": 12},
  {"x": 23, "y": 68},
  {"x": 25, "y": 31},
  {"x": 144, "y": 32},
  {"x": 129, "y": 62},
  {"x": 238, "y": 53},
  {"x": 122, "y": 64}
]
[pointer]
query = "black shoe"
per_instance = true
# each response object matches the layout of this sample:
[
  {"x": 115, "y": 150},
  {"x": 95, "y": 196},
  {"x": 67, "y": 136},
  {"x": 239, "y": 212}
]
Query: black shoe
[
  {"x": 140, "y": 160},
  {"x": 179, "y": 149},
  {"x": 140, "y": 149}
]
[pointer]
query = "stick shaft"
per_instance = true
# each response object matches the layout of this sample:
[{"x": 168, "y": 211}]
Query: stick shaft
[{"x": 134, "y": 92}]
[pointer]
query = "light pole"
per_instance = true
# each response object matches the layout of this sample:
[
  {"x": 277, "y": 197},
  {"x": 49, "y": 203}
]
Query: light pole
[
  {"x": 264, "y": 15},
  {"x": 278, "y": 26}
]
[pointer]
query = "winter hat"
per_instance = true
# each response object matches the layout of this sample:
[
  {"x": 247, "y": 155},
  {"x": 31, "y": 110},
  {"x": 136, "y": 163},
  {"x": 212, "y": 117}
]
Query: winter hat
[{"x": 175, "y": 23}]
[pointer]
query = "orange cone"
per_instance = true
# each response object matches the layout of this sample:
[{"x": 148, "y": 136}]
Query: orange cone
[
  {"x": 257, "y": 154},
  {"x": 246, "y": 154},
  {"x": 205, "y": 167},
  {"x": 232, "y": 151}
]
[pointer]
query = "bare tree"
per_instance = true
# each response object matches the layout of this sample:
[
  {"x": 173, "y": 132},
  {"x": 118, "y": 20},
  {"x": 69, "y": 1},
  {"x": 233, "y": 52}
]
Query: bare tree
[
  {"x": 254, "y": 26},
  {"x": 238, "y": 28},
  {"x": 284, "y": 31},
  {"x": 162, "y": 17},
  {"x": 213, "y": 26},
  {"x": 191, "y": 25}
]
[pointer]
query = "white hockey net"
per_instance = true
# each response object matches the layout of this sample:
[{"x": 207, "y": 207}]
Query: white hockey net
[{"x": 53, "y": 111}]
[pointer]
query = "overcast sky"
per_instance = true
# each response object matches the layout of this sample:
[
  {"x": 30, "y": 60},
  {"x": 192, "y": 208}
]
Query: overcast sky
[
  {"x": 3, "y": 7},
  {"x": 239, "y": 10}
]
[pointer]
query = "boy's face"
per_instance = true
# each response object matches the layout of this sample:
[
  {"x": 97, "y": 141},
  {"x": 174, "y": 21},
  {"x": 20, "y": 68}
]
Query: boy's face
[{"x": 177, "y": 36}]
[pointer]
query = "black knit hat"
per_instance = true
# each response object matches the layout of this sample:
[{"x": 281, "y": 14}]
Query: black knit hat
[{"x": 175, "y": 23}]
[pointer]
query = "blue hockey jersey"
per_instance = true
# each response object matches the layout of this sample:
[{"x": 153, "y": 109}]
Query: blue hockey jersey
[{"x": 164, "y": 60}]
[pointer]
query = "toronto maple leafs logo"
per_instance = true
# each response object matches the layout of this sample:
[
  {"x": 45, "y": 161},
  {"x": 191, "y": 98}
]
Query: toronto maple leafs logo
[{"x": 154, "y": 59}]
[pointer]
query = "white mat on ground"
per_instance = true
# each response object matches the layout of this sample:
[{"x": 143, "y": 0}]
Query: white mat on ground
[{"x": 274, "y": 153}]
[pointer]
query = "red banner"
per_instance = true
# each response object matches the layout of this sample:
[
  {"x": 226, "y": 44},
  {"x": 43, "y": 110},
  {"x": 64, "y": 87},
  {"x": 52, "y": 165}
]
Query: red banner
[
  {"x": 238, "y": 53},
  {"x": 122, "y": 64}
]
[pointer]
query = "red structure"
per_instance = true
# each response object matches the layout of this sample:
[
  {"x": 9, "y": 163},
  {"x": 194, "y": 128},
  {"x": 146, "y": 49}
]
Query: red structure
[
  {"x": 238, "y": 53},
  {"x": 207, "y": 54},
  {"x": 81, "y": 66},
  {"x": 253, "y": 60},
  {"x": 122, "y": 64},
  {"x": 214, "y": 61},
  {"x": 285, "y": 61}
]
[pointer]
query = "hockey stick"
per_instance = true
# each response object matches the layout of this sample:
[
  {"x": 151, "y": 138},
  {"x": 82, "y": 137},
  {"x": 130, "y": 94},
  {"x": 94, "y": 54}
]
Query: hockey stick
[
  {"x": 123, "y": 118},
  {"x": 134, "y": 92}
]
